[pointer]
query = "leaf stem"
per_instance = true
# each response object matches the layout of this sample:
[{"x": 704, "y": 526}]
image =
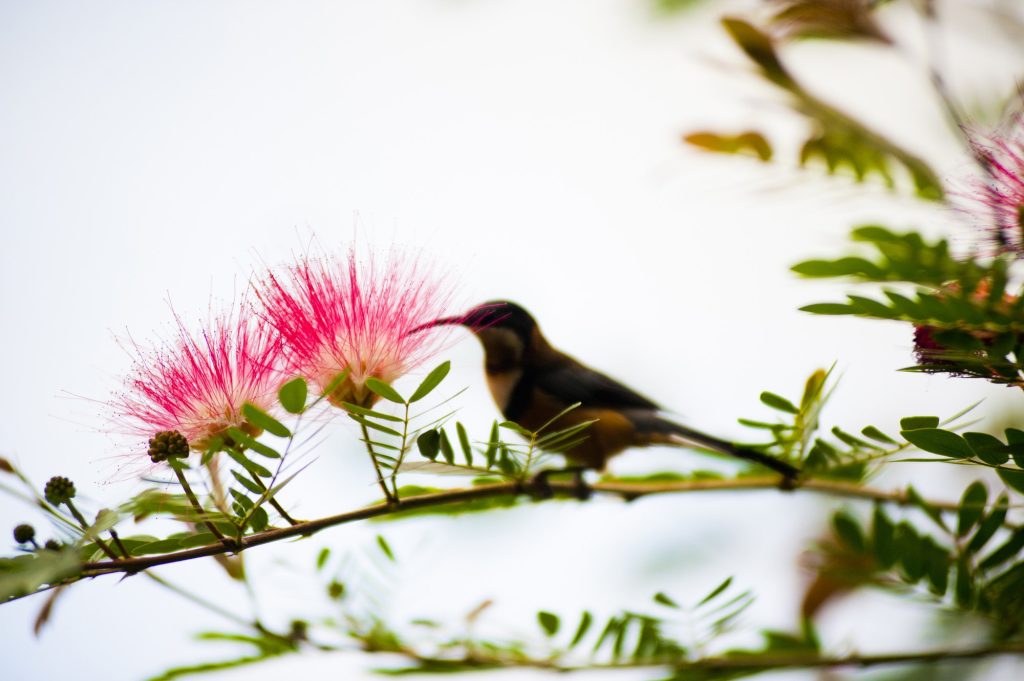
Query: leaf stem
[
  {"x": 376, "y": 466},
  {"x": 228, "y": 544},
  {"x": 401, "y": 452},
  {"x": 272, "y": 501},
  {"x": 85, "y": 528}
]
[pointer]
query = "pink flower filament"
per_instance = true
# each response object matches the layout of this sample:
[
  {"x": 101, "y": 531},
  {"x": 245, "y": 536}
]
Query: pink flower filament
[
  {"x": 198, "y": 384},
  {"x": 337, "y": 313}
]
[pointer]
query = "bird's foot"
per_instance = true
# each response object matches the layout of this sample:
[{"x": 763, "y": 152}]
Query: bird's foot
[
  {"x": 789, "y": 480},
  {"x": 540, "y": 484}
]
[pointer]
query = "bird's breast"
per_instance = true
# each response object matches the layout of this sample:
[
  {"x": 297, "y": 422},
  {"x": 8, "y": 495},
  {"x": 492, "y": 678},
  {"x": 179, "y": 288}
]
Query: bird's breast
[{"x": 501, "y": 384}]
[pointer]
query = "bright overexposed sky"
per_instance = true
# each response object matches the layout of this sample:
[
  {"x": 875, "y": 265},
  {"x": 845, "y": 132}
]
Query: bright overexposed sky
[{"x": 157, "y": 153}]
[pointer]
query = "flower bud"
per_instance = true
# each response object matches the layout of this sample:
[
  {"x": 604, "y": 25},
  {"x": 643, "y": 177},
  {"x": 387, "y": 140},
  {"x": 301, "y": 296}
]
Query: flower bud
[
  {"x": 167, "y": 444},
  {"x": 59, "y": 490},
  {"x": 23, "y": 533}
]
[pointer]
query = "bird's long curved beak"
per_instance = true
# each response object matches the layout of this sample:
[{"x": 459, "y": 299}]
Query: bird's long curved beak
[{"x": 443, "y": 321}]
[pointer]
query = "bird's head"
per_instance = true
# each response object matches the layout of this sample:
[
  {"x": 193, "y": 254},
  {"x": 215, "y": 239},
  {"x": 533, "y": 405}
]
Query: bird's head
[{"x": 506, "y": 330}]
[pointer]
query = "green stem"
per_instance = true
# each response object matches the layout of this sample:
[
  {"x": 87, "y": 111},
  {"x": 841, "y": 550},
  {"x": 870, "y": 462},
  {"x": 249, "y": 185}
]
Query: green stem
[
  {"x": 85, "y": 528},
  {"x": 401, "y": 452},
  {"x": 228, "y": 543},
  {"x": 272, "y": 501},
  {"x": 119, "y": 543},
  {"x": 376, "y": 466}
]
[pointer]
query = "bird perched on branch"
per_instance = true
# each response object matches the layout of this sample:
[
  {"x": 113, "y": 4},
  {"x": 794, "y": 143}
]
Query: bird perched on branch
[{"x": 532, "y": 382}]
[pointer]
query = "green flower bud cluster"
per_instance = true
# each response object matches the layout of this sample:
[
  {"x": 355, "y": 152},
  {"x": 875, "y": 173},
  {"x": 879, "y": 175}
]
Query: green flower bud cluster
[{"x": 167, "y": 444}]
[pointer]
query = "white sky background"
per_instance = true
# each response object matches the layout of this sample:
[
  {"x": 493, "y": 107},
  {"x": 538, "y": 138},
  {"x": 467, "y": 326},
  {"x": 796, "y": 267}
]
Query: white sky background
[{"x": 159, "y": 151}]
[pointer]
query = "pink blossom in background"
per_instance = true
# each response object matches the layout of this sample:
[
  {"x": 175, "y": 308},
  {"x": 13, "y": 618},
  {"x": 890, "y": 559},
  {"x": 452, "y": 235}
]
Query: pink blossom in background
[
  {"x": 196, "y": 384},
  {"x": 335, "y": 313},
  {"x": 998, "y": 198}
]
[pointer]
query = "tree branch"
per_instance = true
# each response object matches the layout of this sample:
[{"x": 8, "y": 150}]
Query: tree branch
[{"x": 625, "y": 490}]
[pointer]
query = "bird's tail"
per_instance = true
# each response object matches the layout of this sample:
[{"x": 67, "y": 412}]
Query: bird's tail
[{"x": 669, "y": 432}]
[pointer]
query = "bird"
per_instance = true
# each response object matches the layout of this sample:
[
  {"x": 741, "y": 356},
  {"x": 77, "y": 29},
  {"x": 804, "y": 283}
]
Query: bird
[{"x": 532, "y": 382}]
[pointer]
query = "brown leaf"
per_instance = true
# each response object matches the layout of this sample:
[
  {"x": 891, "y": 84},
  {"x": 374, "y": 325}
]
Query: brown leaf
[{"x": 47, "y": 610}]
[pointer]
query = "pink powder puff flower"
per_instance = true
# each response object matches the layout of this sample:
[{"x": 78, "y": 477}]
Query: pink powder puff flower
[
  {"x": 338, "y": 313},
  {"x": 197, "y": 383},
  {"x": 1001, "y": 193}
]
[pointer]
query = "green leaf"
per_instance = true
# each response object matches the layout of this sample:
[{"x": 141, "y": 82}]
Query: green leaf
[
  {"x": 105, "y": 519},
  {"x": 828, "y": 308},
  {"x": 716, "y": 591},
  {"x": 240, "y": 437},
  {"x": 661, "y": 598},
  {"x": 990, "y": 525},
  {"x": 759, "y": 48},
  {"x": 852, "y": 440},
  {"x": 492, "y": 445},
  {"x": 363, "y": 411},
  {"x": 559, "y": 440},
  {"x": 1013, "y": 479},
  {"x": 431, "y": 381},
  {"x": 936, "y": 563},
  {"x": 321, "y": 558},
  {"x": 1015, "y": 437},
  {"x": 198, "y": 539},
  {"x": 382, "y": 389},
  {"x": 248, "y": 465},
  {"x": 247, "y": 483},
  {"x": 870, "y": 307},
  {"x": 429, "y": 444},
  {"x": 838, "y": 268},
  {"x": 751, "y": 143},
  {"x": 988, "y": 448},
  {"x": 26, "y": 573},
  {"x": 446, "y": 448},
  {"x": 972, "y": 507},
  {"x": 848, "y": 531},
  {"x": 882, "y": 535},
  {"x": 1008, "y": 550},
  {"x": 938, "y": 441},
  {"x": 259, "y": 519},
  {"x": 918, "y": 422},
  {"x": 877, "y": 435},
  {"x": 364, "y": 421},
  {"x": 383, "y": 544},
  {"x": 910, "y": 548},
  {"x": 779, "y": 403},
  {"x": 292, "y": 395},
  {"x": 515, "y": 427},
  {"x": 467, "y": 450},
  {"x": 612, "y": 628},
  {"x": 548, "y": 622},
  {"x": 929, "y": 510},
  {"x": 264, "y": 421},
  {"x": 585, "y": 621},
  {"x": 244, "y": 501}
]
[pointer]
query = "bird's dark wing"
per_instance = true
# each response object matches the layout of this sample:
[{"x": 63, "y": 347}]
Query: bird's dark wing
[{"x": 574, "y": 382}]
